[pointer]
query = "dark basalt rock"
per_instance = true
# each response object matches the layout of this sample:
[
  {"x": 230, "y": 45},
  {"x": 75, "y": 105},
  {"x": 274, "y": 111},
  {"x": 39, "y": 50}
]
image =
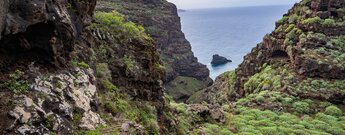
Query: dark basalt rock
[
  {"x": 219, "y": 60},
  {"x": 42, "y": 31}
]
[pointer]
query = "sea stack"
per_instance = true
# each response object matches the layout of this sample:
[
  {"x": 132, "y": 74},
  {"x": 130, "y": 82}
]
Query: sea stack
[{"x": 219, "y": 60}]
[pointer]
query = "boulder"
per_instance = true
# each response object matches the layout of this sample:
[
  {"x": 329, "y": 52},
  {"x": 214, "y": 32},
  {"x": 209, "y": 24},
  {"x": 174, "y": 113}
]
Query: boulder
[{"x": 219, "y": 60}]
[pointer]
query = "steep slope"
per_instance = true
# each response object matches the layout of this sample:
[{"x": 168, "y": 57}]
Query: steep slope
[
  {"x": 185, "y": 75},
  {"x": 63, "y": 74},
  {"x": 294, "y": 81}
]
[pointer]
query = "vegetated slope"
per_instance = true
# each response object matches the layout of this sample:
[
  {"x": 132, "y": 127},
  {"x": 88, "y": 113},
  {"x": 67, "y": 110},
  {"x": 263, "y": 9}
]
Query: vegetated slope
[
  {"x": 294, "y": 81},
  {"x": 184, "y": 74},
  {"x": 62, "y": 74}
]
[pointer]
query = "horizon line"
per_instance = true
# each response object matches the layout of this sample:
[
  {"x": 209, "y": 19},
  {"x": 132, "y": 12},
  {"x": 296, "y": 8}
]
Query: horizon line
[{"x": 234, "y": 6}]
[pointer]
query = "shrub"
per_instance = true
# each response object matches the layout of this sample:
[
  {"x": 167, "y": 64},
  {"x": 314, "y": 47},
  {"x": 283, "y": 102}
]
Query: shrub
[
  {"x": 123, "y": 31},
  {"x": 291, "y": 27},
  {"x": 293, "y": 18},
  {"x": 80, "y": 64},
  {"x": 312, "y": 20},
  {"x": 290, "y": 37},
  {"x": 102, "y": 71},
  {"x": 329, "y": 22},
  {"x": 109, "y": 86},
  {"x": 333, "y": 111},
  {"x": 260, "y": 98},
  {"x": 301, "y": 107},
  {"x": 282, "y": 20},
  {"x": 159, "y": 67},
  {"x": 130, "y": 63},
  {"x": 269, "y": 130}
]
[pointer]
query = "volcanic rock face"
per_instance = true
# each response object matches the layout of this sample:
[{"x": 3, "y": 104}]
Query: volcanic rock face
[
  {"x": 50, "y": 27},
  {"x": 296, "y": 75},
  {"x": 161, "y": 21},
  {"x": 309, "y": 38}
]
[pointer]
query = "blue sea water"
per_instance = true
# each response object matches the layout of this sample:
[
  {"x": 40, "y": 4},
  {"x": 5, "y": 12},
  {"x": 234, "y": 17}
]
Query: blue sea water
[{"x": 229, "y": 32}]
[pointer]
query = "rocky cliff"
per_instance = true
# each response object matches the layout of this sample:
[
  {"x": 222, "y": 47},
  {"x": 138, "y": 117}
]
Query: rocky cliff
[
  {"x": 292, "y": 82},
  {"x": 184, "y": 74},
  {"x": 65, "y": 71},
  {"x": 50, "y": 27}
]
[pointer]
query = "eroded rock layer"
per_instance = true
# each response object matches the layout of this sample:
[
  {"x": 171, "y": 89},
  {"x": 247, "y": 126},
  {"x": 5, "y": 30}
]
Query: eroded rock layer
[{"x": 48, "y": 27}]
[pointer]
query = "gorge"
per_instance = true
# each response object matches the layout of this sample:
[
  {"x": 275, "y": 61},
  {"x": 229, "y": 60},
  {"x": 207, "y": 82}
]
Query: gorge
[{"x": 124, "y": 67}]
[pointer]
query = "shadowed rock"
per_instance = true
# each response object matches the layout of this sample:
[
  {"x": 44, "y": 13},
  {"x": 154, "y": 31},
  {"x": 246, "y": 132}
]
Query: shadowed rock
[{"x": 219, "y": 60}]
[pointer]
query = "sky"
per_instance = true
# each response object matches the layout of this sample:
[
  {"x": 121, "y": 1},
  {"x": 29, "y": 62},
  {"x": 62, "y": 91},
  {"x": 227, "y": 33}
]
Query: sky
[{"x": 192, "y": 4}]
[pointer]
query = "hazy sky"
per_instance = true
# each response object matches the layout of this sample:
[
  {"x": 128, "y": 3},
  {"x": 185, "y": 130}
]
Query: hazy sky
[{"x": 189, "y": 4}]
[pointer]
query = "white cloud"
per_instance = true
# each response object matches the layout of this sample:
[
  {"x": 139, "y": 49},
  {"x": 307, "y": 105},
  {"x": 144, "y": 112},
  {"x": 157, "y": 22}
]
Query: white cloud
[{"x": 188, "y": 4}]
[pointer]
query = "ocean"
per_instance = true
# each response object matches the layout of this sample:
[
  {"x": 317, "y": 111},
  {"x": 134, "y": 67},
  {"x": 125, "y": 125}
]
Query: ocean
[{"x": 229, "y": 32}]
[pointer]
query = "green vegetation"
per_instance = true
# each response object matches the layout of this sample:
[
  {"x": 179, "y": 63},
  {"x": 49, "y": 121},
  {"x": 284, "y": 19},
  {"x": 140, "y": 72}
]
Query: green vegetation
[
  {"x": 130, "y": 64},
  {"x": 293, "y": 18},
  {"x": 97, "y": 131},
  {"x": 301, "y": 107},
  {"x": 333, "y": 111},
  {"x": 323, "y": 87},
  {"x": 182, "y": 86},
  {"x": 118, "y": 103},
  {"x": 80, "y": 64},
  {"x": 282, "y": 20},
  {"x": 266, "y": 79},
  {"x": 109, "y": 86},
  {"x": 15, "y": 83},
  {"x": 292, "y": 35},
  {"x": 329, "y": 22},
  {"x": 123, "y": 31},
  {"x": 102, "y": 71},
  {"x": 290, "y": 28},
  {"x": 254, "y": 121},
  {"x": 213, "y": 129},
  {"x": 338, "y": 42},
  {"x": 312, "y": 20},
  {"x": 160, "y": 67}
]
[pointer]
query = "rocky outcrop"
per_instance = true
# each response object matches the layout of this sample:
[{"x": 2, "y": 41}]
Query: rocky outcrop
[
  {"x": 296, "y": 74},
  {"x": 219, "y": 60},
  {"x": 309, "y": 39},
  {"x": 51, "y": 27},
  {"x": 56, "y": 101},
  {"x": 161, "y": 21}
]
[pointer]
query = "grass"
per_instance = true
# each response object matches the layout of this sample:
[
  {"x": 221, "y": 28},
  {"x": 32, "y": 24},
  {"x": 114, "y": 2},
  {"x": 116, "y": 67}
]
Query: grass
[
  {"x": 184, "y": 86},
  {"x": 118, "y": 103},
  {"x": 16, "y": 83}
]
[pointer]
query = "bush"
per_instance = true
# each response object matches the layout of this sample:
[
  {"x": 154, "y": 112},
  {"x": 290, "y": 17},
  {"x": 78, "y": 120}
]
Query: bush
[
  {"x": 293, "y": 18},
  {"x": 260, "y": 98},
  {"x": 312, "y": 20},
  {"x": 282, "y": 20},
  {"x": 288, "y": 29},
  {"x": 301, "y": 107},
  {"x": 102, "y": 71},
  {"x": 329, "y": 22},
  {"x": 333, "y": 111},
  {"x": 123, "y": 31},
  {"x": 109, "y": 86},
  {"x": 130, "y": 63}
]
